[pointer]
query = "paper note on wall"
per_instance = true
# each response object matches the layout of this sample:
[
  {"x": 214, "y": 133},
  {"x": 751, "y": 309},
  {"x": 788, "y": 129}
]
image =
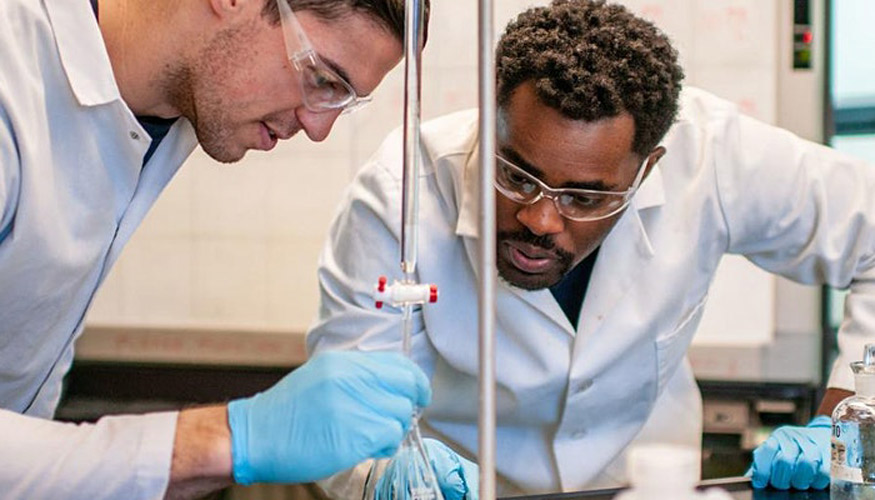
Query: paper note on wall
[{"x": 741, "y": 306}]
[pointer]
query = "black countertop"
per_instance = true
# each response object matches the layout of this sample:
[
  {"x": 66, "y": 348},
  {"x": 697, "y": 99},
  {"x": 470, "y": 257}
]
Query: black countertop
[{"x": 740, "y": 489}]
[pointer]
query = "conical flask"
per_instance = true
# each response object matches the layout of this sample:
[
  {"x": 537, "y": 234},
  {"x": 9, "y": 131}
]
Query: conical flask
[{"x": 409, "y": 474}]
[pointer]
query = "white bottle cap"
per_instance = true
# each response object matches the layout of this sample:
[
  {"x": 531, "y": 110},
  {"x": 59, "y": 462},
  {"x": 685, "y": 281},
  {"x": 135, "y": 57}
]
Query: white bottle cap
[{"x": 664, "y": 467}]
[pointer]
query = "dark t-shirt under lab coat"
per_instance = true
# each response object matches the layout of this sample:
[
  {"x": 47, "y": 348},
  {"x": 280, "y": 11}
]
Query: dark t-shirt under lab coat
[
  {"x": 157, "y": 128},
  {"x": 571, "y": 290}
]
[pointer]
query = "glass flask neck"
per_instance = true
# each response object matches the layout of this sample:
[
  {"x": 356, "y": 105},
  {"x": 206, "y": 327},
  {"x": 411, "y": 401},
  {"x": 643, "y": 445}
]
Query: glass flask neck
[{"x": 864, "y": 384}]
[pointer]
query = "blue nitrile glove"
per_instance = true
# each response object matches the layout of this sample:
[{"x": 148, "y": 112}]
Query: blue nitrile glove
[
  {"x": 458, "y": 478},
  {"x": 335, "y": 411},
  {"x": 794, "y": 456}
]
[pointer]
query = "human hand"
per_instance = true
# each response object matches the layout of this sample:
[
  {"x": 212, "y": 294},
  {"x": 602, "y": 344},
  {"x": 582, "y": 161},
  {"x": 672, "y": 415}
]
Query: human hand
[
  {"x": 458, "y": 478},
  {"x": 336, "y": 410},
  {"x": 794, "y": 456}
]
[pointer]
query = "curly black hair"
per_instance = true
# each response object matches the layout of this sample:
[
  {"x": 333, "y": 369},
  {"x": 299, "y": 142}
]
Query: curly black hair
[{"x": 591, "y": 60}]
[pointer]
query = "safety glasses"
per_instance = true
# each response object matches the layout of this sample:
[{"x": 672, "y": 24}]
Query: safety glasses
[
  {"x": 321, "y": 87},
  {"x": 575, "y": 204}
]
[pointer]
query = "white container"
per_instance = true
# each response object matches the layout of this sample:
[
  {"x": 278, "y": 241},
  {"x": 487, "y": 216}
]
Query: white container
[
  {"x": 852, "y": 471},
  {"x": 666, "y": 472}
]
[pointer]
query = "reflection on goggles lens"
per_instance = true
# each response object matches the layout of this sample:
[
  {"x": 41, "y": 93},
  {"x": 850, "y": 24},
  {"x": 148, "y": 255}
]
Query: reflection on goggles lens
[
  {"x": 575, "y": 204},
  {"x": 323, "y": 88}
]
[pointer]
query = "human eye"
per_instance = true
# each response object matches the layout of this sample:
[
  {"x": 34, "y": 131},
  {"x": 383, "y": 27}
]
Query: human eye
[
  {"x": 324, "y": 80},
  {"x": 322, "y": 84},
  {"x": 520, "y": 181},
  {"x": 582, "y": 200}
]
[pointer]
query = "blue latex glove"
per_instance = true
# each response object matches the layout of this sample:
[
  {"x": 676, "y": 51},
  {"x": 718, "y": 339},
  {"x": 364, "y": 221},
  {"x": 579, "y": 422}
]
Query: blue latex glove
[
  {"x": 794, "y": 456},
  {"x": 458, "y": 478},
  {"x": 336, "y": 410}
]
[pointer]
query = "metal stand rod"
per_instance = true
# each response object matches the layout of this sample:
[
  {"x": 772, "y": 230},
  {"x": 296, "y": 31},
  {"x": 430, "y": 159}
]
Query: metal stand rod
[{"x": 486, "y": 301}]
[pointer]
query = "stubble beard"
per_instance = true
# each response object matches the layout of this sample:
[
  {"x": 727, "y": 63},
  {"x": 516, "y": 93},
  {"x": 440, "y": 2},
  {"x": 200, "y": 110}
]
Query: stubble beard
[{"x": 195, "y": 89}]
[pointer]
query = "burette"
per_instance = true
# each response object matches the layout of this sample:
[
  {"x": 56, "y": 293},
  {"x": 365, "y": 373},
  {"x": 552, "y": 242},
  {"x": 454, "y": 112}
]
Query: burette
[
  {"x": 407, "y": 293},
  {"x": 416, "y": 479}
]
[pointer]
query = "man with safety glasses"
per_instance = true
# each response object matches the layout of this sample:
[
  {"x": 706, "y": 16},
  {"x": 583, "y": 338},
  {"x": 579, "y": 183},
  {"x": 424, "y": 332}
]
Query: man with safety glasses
[
  {"x": 100, "y": 103},
  {"x": 617, "y": 196}
]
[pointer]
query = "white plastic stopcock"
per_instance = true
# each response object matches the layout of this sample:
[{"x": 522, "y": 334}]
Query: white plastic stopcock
[{"x": 399, "y": 294}]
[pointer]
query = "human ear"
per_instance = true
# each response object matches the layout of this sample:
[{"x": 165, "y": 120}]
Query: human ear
[
  {"x": 653, "y": 159},
  {"x": 226, "y": 8}
]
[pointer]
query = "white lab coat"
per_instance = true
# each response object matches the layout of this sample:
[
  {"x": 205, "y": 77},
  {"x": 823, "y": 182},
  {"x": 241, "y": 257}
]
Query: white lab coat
[
  {"x": 570, "y": 401},
  {"x": 72, "y": 191}
]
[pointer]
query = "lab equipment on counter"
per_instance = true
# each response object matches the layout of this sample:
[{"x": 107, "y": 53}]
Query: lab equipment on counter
[
  {"x": 853, "y": 435},
  {"x": 666, "y": 472},
  {"x": 456, "y": 476}
]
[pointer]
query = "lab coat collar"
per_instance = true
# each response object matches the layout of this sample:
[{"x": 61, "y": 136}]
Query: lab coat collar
[{"x": 82, "y": 51}]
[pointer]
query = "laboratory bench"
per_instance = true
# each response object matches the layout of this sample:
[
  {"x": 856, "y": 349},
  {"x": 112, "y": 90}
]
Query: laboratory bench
[
  {"x": 135, "y": 370},
  {"x": 138, "y": 369},
  {"x": 738, "y": 487}
]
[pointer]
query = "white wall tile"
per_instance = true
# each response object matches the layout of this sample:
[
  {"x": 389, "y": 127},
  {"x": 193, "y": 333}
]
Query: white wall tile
[
  {"x": 229, "y": 282},
  {"x": 373, "y": 123},
  {"x": 452, "y": 39},
  {"x": 751, "y": 88},
  {"x": 292, "y": 287},
  {"x": 228, "y": 200},
  {"x": 302, "y": 198},
  {"x": 171, "y": 214},
  {"x": 106, "y": 308},
  {"x": 157, "y": 288},
  {"x": 673, "y": 17},
  {"x": 454, "y": 89},
  {"x": 734, "y": 33}
]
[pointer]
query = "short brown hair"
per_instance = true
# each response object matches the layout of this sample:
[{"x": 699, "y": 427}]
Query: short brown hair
[{"x": 387, "y": 13}]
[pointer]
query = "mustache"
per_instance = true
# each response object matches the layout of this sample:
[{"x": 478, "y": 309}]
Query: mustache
[{"x": 544, "y": 241}]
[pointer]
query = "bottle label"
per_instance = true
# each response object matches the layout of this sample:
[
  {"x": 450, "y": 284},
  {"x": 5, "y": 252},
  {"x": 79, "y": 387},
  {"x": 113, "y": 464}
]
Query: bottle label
[{"x": 847, "y": 452}]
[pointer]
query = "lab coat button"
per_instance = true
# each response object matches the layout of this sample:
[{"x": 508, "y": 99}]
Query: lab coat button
[
  {"x": 578, "y": 434},
  {"x": 135, "y": 136}
]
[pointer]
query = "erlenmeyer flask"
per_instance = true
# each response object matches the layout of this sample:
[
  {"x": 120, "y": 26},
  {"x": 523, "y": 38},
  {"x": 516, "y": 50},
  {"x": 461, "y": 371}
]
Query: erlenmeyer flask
[{"x": 409, "y": 474}]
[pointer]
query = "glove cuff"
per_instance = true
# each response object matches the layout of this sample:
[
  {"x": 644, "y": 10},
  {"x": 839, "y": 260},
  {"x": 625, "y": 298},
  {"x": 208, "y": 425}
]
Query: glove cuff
[
  {"x": 820, "y": 421},
  {"x": 238, "y": 421}
]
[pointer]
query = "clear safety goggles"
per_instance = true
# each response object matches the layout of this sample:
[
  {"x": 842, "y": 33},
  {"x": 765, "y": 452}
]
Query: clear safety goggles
[
  {"x": 575, "y": 204},
  {"x": 322, "y": 88}
]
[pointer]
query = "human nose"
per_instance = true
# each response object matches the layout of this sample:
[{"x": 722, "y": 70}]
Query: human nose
[
  {"x": 317, "y": 125},
  {"x": 541, "y": 217}
]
